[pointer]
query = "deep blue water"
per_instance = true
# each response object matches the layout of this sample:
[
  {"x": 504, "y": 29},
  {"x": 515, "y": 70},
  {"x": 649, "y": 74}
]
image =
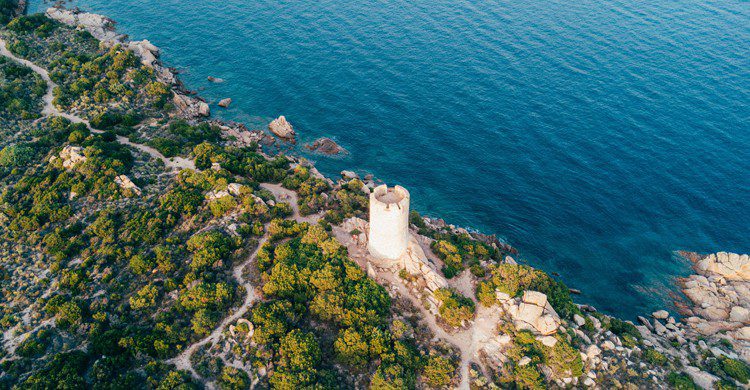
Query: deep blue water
[{"x": 596, "y": 136}]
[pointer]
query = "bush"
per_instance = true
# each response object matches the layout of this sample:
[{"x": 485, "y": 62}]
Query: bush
[
  {"x": 439, "y": 371},
  {"x": 654, "y": 357},
  {"x": 736, "y": 369},
  {"x": 681, "y": 381},
  {"x": 454, "y": 308}
]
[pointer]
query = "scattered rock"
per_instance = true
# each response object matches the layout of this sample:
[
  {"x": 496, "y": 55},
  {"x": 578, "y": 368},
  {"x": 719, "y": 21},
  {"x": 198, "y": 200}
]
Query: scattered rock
[
  {"x": 349, "y": 175},
  {"x": 282, "y": 129},
  {"x": 72, "y": 156},
  {"x": 325, "y": 146},
  {"x": 215, "y": 79},
  {"x": 125, "y": 183},
  {"x": 225, "y": 102},
  {"x": 661, "y": 314}
]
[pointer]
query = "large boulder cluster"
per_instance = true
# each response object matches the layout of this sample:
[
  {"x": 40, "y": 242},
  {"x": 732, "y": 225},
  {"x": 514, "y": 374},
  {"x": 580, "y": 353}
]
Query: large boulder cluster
[
  {"x": 532, "y": 312},
  {"x": 719, "y": 295},
  {"x": 72, "y": 156}
]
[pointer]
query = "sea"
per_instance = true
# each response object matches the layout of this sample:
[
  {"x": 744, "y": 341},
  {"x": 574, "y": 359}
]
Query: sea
[{"x": 599, "y": 137}]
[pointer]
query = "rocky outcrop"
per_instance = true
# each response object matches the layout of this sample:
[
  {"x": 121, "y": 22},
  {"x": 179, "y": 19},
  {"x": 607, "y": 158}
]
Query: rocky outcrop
[
  {"x": 190, "y": 107},
  {"x": 532, "y": 312},
  {"x": 20, "y": 8},
  {"x": 72, "y": 156},
  {"x": 101, "y": 27},
  {"x": 325, "y": 146},
  {"x": 125, "y": 183},
  {"x": 233, "y": 189},
  {"x": 719, "y": 298},
  {"x": 225, "y": 102},
  {"x": 282, "y": 129}
]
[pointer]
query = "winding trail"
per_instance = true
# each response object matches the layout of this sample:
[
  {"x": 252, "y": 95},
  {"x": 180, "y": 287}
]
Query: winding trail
[
  {"x": 49, "y": 109},
  {"x": 182, "y": 361}
]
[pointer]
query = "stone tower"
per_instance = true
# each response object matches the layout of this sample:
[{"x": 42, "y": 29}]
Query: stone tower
[{"x": 389, "y": 222}]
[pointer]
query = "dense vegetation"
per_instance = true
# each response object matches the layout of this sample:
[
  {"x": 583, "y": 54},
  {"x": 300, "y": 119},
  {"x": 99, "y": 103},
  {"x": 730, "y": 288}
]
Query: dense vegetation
[
  {"x": 308, "y": 276},
  {"x": 7, "y": 7}
]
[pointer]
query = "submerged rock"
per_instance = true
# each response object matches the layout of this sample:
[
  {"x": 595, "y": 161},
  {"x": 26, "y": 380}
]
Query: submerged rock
[
  {"x": 215, "y": 79},
  {"x": 325, "y": 146}
]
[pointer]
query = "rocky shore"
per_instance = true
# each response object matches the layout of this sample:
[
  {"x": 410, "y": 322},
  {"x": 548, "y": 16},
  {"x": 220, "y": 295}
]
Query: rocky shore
[{"x": 719, "y": 299}]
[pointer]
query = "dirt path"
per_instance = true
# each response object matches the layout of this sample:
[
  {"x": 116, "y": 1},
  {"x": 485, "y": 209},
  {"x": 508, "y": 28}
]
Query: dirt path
[
  {"x": 49, "y": 109},
  {"x": 182, "y": 361},
  {"x": 469, "y": 341},
  {"x": 289, "y": 196}
]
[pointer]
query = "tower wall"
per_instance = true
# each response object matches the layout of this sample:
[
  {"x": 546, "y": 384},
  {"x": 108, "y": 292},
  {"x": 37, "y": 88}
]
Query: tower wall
[{"x": 389, "y": 222}]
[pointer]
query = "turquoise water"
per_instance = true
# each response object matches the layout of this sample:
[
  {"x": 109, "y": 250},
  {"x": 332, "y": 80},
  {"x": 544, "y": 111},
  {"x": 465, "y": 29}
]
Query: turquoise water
[{"x": 596, "y": 136}]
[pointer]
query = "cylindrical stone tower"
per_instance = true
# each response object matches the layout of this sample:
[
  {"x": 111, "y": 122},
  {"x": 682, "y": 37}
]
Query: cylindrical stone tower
[{"x": 389, "y": 222}]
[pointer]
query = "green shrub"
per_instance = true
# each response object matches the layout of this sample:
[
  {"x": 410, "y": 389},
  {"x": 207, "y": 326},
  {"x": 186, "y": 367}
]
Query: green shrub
[
  {"x": 736, "y": 369},
  {"x": 681, "y": 381},
  {"x": 439, "y": 371},
  {"x": 654, "y": 357},
  {"x": 454, "y": 308}
]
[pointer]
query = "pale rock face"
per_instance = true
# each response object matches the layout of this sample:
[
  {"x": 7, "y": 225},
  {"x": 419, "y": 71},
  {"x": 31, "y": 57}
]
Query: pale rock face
[
  {"x": 661, "y": 314},
  {"x": 204, "y": 109},
  {"x": 281, "y": 128},
  {"x": 548, "y": 341},
  {"x": 235, "y": 189},
  {"x": 593, "y": 351},
  {"x": 535, "y": 297},
  {"x": 501, "y": 296},
  {"x": 211, "y": 195},
  {"x": 728, "y": 265},
  {"x": 701, "y": 378},
  {"x": 534, "y": 313},
  {"x": 125, "y": 183},
  {"x": 349, "y": 175},
  {"x": 72, "y": 156},
  {"x": 739, "y": 314}
]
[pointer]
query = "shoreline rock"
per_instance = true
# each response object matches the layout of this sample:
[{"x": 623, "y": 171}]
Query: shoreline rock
[
  {"x": 282, "y": 129},
  {"x": 326, "y": 146},
  {"x": 225, "y": 102},
  {"x": 719, "y": 298}
]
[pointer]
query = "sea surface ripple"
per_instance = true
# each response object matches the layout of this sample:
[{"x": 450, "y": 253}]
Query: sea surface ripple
[{"x": 596, "y": 136}]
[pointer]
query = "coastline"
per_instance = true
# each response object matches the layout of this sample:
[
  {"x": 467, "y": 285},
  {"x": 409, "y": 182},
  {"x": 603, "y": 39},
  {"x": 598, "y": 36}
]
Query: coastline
[{"x": 659, "y": 334}]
